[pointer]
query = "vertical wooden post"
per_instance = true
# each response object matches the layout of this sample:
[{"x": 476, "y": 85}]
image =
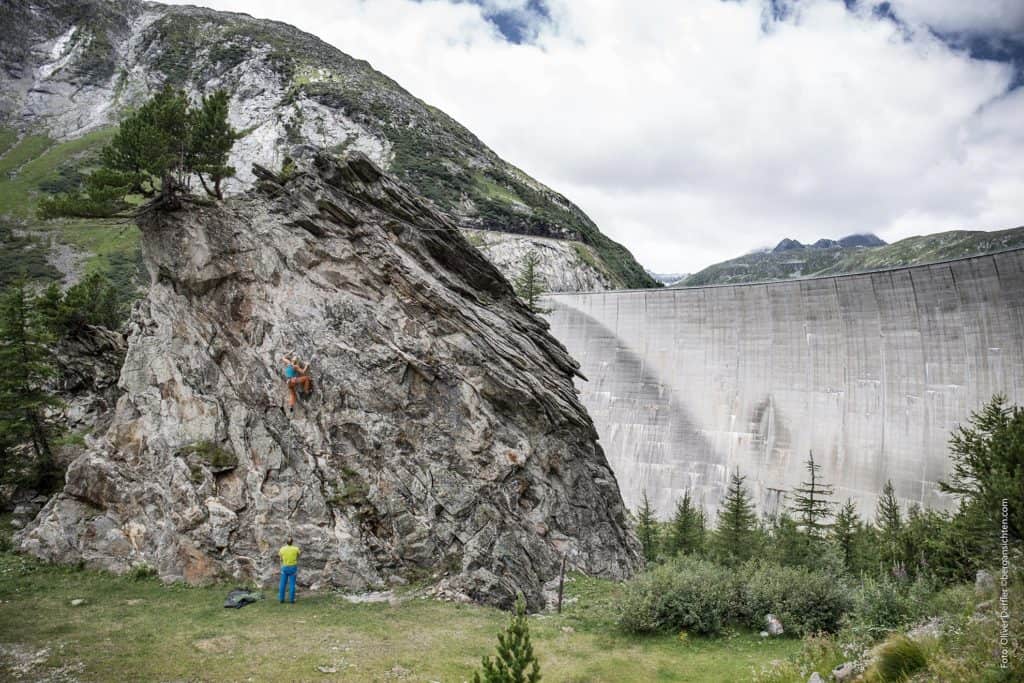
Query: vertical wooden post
[{"x": 561, "y": 582}]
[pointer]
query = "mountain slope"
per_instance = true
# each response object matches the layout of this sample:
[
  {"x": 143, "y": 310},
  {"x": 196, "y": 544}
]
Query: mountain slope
[
  {"x": 71, "y": 67},
  {"x": 790, "y": 259}
]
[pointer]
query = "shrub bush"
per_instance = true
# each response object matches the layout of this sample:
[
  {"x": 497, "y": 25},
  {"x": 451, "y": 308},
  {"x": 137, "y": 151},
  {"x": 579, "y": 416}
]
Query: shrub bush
[
  {"x": 683, "y": 595},
  {"x": 881, "y": 605},
  {"x": 805, "y": 600},
  {"x": 141, "y": 571},
  {"x": 898, "y": 659}
]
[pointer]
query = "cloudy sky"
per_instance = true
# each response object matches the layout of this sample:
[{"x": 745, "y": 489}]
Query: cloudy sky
[{"x": 696, "y": 130}]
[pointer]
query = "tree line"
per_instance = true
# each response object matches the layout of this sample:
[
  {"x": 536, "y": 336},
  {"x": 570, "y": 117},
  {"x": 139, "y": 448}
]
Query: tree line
[
  {"x": 31, "y": 328},
  {"x": 813, "y": 530}
]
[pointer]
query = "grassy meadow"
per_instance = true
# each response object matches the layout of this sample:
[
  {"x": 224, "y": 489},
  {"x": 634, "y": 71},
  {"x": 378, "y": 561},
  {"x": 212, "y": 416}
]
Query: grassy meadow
[{"x": 142, "y": 630}]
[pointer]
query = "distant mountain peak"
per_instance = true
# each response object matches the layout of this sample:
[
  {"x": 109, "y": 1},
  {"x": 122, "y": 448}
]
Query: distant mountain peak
[
  {"x": 865, "y": 239},
  {"x": 787, "y": 244}
]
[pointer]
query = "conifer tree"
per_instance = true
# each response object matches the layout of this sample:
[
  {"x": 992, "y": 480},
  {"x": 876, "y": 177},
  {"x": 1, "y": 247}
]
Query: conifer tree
[
  {"x": 647, "y": 529},
  {"x": 26, "y": 364},
  {"x": 810, "y": 502},
  {"x": 150, "y": 148},
  {"x": 155, "y": 152},
  {"x": 790, "y": 546},
  {"x": 211, "y": 142},
  {"x": 845, "y": 531},
  {"x": 736, "y": 523},
  {"x": 514, "y": 661},
  {"x": 988, "y": 464},
  {"x": 889, "y": 521},
  {"x": 528, "y": 284},
  {"x": 686, "y": 532}
]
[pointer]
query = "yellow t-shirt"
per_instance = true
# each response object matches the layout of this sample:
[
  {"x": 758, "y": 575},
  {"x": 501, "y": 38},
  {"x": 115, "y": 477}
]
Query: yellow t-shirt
[{"x": 289, "y": 555}]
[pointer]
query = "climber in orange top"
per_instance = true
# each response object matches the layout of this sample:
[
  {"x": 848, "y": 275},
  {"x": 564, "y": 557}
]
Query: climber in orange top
[{"x": 296, "y": 375}]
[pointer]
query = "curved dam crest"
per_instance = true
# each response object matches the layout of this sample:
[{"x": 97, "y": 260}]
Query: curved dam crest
[{"x": 870, "y": 371}]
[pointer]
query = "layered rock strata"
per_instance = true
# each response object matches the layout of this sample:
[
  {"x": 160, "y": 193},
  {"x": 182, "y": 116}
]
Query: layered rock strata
[{"x": 442, "y": 436}]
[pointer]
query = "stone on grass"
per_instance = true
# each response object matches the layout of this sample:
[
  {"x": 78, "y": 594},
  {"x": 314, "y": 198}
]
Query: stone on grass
[
  {"x": 815, "y": 678},
  {"x": 843, "y": 672},
  {"x": 928, "y": 629},
  {"x": 774, "y": 626},
  {"x": 77, "y": 602},
  {"x": 984, "y": 584}
]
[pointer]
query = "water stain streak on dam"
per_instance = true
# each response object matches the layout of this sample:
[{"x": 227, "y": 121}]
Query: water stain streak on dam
[{"x": 871, "y": 371}]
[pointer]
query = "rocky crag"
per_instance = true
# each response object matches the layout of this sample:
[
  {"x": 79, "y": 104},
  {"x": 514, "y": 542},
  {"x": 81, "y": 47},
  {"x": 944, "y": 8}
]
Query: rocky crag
[
  {"x": 442, "y": 437},
  {"x": 852, "y": 254},
  {"x": 562, "y": 265},
  {"x": 72, "y": 67}
]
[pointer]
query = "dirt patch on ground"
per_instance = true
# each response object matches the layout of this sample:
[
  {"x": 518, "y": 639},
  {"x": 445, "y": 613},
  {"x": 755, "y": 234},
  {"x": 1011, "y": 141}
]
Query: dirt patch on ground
[
  {"x": 217, "y": 645},
  {"x": 19, "y": 662}
]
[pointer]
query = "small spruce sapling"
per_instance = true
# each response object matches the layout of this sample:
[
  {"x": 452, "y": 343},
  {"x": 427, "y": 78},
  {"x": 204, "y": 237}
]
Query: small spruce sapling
[
  {"x": 514, "y": 661},
  {"x": 647, "y": 529},
  {"x": 889, "y": 520},
  {"x": 735, "y": 536}
]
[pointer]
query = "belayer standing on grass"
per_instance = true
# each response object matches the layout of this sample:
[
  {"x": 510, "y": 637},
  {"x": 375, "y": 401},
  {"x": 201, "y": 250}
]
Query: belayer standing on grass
[
  {"x": 296, "y": 375},
  {"x": 289, "y": 555}
]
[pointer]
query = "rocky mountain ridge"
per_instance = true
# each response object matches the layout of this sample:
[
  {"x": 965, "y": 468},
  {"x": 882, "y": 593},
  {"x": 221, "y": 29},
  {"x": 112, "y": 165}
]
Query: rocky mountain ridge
[
  {"x": 68, "y": 68},
  {"x": 442, "y": 437},
  {"x": 851, "y": 254}
]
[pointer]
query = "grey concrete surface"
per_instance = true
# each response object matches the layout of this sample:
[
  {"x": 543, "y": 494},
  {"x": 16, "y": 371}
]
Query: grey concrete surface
[{"x": 871, "y": 372}]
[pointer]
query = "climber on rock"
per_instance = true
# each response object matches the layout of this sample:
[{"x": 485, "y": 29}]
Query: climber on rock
[{"x": 296, "y": 375}]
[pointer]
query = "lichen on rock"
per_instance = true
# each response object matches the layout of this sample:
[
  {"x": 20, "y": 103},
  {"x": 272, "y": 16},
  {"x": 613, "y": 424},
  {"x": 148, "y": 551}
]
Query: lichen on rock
[{"x": 442, "y": 436}]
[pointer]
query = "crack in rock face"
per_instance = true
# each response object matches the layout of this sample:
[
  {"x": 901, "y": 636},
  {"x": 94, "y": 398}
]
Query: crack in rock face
[{"x": 441, "y": 438}]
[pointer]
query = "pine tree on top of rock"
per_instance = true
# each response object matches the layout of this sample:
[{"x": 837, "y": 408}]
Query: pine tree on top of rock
[
  {"x": 154, "y": 154},
  {"x": 212, "y": 138}
]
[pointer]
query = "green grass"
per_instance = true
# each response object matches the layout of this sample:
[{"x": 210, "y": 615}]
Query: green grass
[
  {"x": 27, "y": 148},
  {"x": 38, "y": 158},
  {"x": 142, "y": 630},
  {"x": 492, "y": 190},
  {"x": 113, "y": 246},
  {"x": 7, "y": 139}
]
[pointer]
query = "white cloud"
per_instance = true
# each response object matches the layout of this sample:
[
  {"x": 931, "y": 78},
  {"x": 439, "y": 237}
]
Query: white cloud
[
  {"x": 963, "y": 16},
  {"x": 690, "y": 135}
]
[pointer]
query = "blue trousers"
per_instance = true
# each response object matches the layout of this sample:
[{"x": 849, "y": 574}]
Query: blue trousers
[{"x": 287, "y": 578}]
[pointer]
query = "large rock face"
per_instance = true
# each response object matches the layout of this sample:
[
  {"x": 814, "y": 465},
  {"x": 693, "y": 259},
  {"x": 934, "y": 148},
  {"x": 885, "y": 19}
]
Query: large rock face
[
  {"x": 442, "y": 435},
  {"x": 68, "y": 67},
  {"x": 562, "y": 265}
]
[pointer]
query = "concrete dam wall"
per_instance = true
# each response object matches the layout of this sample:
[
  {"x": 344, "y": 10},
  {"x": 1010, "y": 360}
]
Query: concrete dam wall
[{"x": 871, "y": 372}]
